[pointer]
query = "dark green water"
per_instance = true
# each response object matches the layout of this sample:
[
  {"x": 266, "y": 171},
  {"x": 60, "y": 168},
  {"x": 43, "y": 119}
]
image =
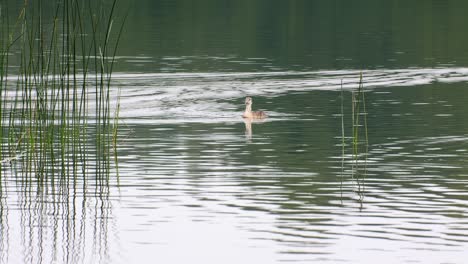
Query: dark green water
[
  {"x": 198, "y": 184},
  {"x": 265, "y": 35}
]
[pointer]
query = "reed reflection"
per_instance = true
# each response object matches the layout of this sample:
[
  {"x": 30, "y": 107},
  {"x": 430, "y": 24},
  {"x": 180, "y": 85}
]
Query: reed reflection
[
  {"x": 248, "y": 128},
  {"x": 4, "y": 228},
  {"x": 59, "y": 219}
]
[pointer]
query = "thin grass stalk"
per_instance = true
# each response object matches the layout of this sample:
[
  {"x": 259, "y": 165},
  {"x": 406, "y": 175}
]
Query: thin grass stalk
[
  {"x": 366, "y": 135},
  {"x": 353, "y": 110},
  {"x": 51, "y": 85},
  {"x": 342, "y": 125},
  {"x": 357, "y": 113},
  {"x": 41, "y": 93},
  {"x": 356, "y": 133},
  {"x": 109, "y": 73},
  {"x": 66, "y": 55},
  {"x": 115, "y": 133},
  {"x": 342, "y": 139},
  {"x": 117, "y": 114},
  {"x": 55, "y": 60},
  {"x": 94, "y": 47},
  {"x": 82, "y": 116},
  {"x": 3, "y": 80},
  {"x": 76, "y": 124}
]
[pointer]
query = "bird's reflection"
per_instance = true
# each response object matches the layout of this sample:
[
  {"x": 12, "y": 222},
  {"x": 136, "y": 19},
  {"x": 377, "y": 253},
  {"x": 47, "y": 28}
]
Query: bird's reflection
[{"x": 248, "y": 126}]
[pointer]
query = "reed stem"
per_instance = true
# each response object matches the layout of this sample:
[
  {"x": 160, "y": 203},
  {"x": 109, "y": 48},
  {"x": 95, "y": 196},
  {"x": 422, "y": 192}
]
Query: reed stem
[{"x": 45, "y": 111}]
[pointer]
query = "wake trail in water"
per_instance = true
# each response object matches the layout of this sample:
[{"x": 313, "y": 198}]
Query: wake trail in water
[{"x": 206, "y": 97}]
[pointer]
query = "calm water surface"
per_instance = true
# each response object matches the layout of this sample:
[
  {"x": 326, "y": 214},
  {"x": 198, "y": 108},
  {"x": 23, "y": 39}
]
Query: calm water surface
[{"x": 198, "y": 184}]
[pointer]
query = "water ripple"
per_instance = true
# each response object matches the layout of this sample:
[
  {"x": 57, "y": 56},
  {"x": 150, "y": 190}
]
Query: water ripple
[{"x": 217, "y": 97}]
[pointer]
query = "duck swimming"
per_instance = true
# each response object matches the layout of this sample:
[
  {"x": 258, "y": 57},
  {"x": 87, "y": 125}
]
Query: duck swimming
[{"x": 248, "y": 113}]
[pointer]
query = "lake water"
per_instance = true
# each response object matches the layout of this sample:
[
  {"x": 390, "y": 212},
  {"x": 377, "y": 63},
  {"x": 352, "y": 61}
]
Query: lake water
[{"x": 198, "y": 184}]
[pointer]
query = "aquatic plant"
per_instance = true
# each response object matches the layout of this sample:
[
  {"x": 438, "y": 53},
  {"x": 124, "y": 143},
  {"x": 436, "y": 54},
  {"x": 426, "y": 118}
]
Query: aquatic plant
[
  {"x": 360, "y": 147},
  {"x": 358, "y": 110},
  {"x": 56, "y": 63}
]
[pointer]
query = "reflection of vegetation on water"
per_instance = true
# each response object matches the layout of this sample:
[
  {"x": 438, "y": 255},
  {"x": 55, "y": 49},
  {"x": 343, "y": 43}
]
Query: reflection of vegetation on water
[
  {"x": 57, "y": 94},
  {"x": 360, "y": 147},
  {"x": 65, "y": 221}
]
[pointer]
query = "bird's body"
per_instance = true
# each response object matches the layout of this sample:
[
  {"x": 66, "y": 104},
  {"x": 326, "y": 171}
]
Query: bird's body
[{"x": 248, "y": 113}]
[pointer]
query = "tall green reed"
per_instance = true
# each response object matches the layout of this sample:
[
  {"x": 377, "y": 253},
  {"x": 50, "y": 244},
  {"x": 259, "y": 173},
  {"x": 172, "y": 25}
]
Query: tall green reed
[
  {"x": 359, "y": 135},
  {"x": 359, "y": 111},
  {"x": 65, "y": 52}
]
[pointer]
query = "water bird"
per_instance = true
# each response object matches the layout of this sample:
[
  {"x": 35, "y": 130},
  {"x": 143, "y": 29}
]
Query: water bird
[{"x": 248, "y": 113}]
